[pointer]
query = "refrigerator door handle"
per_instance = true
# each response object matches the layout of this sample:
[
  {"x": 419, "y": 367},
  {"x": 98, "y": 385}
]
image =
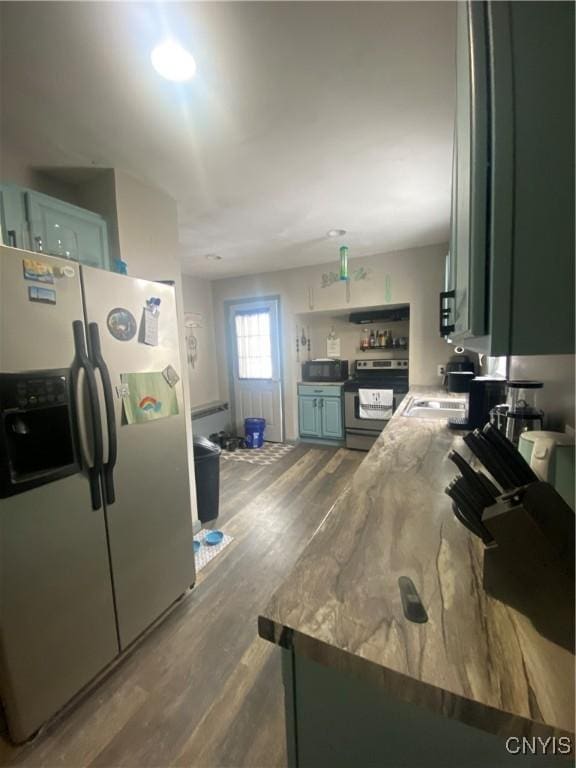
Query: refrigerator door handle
[
  {"x": 100, "y": 365},
  {"x": 82, "y": 363}
]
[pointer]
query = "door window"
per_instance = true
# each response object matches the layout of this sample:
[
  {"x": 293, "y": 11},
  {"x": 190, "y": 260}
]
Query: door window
[{"x": 253, "y": 344}]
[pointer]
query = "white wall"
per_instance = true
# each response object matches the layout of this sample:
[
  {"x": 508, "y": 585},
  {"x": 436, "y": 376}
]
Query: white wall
[
  {"x": 148, "y": 237},
  {"x": 15, "y": 168},
  {"x": 412, "y": 277},
  {"x": 203, "y": 376}
]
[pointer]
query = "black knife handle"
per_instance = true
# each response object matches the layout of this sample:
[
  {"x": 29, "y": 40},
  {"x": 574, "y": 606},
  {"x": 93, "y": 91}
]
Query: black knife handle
[
  {"x": 471, "y": 477},
  {"x": 491, "y": 460}
]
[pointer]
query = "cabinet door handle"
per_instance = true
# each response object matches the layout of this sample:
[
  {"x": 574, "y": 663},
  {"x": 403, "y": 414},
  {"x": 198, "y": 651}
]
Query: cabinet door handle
[
  {"x": 39, "y": 244},
  {"x": 321, "y": 402},
  {"x": 444, "y": 312},
  {"x": 315, "y": 403},
  {"x": 12, "y": 238}
]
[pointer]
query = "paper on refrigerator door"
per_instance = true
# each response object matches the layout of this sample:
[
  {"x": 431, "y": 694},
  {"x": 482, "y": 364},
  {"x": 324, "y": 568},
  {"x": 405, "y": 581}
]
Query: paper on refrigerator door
[
  {"x": 150, "y": 327},
  {"x": 148, "y": 397}
]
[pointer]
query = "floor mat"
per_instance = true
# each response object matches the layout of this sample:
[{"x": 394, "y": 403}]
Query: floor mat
[
  {"x": 268, "y": 454},
  {"x": 208, "y": 552}
]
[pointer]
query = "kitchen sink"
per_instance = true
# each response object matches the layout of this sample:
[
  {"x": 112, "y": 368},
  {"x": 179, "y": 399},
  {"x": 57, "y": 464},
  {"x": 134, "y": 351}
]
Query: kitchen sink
[{"x": 435, "y": 408}]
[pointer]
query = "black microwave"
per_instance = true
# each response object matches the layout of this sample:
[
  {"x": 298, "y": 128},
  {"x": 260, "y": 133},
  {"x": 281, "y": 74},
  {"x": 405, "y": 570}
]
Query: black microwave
[{"x": 325, "y": 370}]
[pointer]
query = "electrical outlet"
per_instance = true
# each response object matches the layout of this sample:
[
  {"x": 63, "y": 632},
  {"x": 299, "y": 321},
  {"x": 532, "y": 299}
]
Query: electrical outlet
[{"x": 440, "y": 370}]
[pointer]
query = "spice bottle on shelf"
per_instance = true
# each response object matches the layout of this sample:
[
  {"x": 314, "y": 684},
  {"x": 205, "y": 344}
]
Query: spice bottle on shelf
[
  {"x": 372, "y": 339},
  {"x": 364, "y": 340}
]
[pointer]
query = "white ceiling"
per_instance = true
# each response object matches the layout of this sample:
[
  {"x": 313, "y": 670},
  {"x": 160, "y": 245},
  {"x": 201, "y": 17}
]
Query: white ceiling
[{"x": 302, "y": 117}]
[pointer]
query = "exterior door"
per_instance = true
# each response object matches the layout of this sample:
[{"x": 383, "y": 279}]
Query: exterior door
[
  {"x": 57, "y": 624},
  {"x": 150, "y": 520},
  {"x": 256, "y": 368}
]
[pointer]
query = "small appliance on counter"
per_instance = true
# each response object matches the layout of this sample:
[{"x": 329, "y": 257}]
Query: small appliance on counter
[
  {"x": 551, "y": 457},
  {"x": 522, "y": 414},
  {"x": 324, "y": 370},
  {"x": 484, "y": 393},
  {"x": 460, "y": 370}
]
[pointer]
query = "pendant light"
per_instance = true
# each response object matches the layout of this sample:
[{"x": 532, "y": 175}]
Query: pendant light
[{"x": 343, "y": 262}]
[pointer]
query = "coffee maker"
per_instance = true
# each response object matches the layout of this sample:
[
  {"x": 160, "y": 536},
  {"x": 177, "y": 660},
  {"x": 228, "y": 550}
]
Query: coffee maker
[
  {"x": 459, "y": 371},
  {"x": 485, "y": 393},
  {"x": 522, "y": 414}
]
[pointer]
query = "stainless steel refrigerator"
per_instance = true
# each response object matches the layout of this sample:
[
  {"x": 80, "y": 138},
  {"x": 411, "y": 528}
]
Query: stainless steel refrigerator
[{"x": 95, "y": 512}]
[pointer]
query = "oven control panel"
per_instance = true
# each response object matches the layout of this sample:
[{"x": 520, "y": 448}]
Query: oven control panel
[{"x": 376, "y": 365}]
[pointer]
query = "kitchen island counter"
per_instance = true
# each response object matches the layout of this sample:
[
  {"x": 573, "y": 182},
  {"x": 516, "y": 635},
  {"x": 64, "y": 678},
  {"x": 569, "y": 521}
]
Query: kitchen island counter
[{"x": 477, "y": 660}]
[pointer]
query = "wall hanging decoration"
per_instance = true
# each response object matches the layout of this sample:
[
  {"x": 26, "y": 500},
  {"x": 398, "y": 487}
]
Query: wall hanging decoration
[
  {"x": 332, "y": 344},
  {"x": 297, "y": 345},
  {"x": 387, "y": 289},
  {"x": 343, "y": 262},
  {"x": 303, "y": 341},
  {"x": 310, "y": 298},
  {"x": 192, "y": 320},
  {"x": 329, "y": 278}
]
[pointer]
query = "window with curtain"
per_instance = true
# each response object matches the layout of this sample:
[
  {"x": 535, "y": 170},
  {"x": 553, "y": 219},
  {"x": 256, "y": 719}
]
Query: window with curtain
[{"x": 253, "y": 345}]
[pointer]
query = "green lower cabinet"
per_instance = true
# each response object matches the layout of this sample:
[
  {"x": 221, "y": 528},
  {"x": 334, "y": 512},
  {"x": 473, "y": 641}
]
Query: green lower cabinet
[
  {"x": 334, "y": 720},
  {"x": 309, "y": 416},
  {"x": 321, "y": 416},
  {"x": 331, "y": 417}
]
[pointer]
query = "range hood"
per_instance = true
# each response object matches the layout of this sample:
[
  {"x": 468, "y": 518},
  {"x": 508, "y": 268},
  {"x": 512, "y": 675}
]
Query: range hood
[{"x": 391, "y": 315}]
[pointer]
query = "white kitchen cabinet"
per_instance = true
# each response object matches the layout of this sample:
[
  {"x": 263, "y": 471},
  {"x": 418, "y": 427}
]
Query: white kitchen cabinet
[{"x": 510, "y": 284}]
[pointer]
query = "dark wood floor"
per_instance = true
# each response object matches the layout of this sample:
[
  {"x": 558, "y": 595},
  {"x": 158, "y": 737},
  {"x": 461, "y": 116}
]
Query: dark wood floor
[{"x": 202, "y": 689}]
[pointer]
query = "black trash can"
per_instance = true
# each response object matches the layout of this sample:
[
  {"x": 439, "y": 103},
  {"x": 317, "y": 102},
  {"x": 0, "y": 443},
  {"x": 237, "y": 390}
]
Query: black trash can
[{"x": 207, "y": 473}]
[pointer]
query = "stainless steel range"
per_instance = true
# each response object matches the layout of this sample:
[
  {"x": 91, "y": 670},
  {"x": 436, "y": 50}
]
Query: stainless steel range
[{"x": 382, "y": 376}]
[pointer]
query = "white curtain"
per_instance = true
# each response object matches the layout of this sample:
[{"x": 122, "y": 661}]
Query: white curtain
[{"x": 253, "y": 344}]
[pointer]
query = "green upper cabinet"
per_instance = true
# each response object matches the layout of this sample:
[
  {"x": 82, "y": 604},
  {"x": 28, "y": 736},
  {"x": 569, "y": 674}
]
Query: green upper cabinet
[
  {"x": 13, "y": 216},
  {"x": 510, "y": 287},
  {"x": 41, "y": 223}
]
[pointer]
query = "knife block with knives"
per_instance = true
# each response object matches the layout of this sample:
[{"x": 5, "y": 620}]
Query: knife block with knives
[{"x": 527, "y": 527}]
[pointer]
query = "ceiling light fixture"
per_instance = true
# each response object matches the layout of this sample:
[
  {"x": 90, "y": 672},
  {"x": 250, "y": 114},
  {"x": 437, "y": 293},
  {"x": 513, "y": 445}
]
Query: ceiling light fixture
[
  {"x": 173, "y": 62},
  {"x": 213, "y": 257},
  {"x": 336, "y": 232}
]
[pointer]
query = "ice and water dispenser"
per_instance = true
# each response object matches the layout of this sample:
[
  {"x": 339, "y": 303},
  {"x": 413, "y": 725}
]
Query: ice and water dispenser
[{"x": 36, "y": 430}]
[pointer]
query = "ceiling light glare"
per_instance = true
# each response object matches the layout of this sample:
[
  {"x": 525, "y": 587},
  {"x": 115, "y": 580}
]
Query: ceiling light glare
[
  {"x": 173, "y": 62},
  {"x": 336, "y": 232},
  {"x": 213, "y": 257}
]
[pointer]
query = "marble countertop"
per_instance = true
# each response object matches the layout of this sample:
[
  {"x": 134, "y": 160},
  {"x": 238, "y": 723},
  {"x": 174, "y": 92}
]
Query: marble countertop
[{"x": 479, "y": 659}]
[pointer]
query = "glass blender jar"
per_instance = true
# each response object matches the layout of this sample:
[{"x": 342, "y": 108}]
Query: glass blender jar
[{"x": 522, "y": 413}]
